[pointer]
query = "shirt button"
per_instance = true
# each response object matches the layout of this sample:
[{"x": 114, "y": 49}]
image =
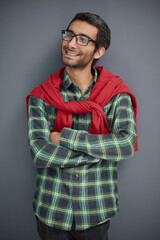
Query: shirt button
[
  {"x": 75, "y": 199},
  {"x": 77, "y": 175}
]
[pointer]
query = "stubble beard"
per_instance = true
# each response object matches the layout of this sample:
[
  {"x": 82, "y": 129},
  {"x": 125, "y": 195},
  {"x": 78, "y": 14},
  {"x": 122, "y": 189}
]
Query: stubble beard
[{"x": 81, "y": 64}]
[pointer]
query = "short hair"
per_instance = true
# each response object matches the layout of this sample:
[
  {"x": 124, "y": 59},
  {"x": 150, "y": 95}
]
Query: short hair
[{"x": 104, "y": 33}]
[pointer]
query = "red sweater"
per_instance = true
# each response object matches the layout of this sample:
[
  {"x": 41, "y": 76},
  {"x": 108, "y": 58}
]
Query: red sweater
[{"x": 107, "y": 86}]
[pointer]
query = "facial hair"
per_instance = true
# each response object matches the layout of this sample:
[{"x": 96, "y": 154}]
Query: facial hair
[{"x": 81, "y": 64}]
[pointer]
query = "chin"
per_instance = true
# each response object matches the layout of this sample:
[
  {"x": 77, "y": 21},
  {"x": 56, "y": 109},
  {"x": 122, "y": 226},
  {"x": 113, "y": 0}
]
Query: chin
[
  {"x": 81, "y": 64},
  {"x": 68, "y": 63}
]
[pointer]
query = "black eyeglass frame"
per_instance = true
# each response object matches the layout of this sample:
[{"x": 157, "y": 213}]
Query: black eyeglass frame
[{"x": 76, "y": 35}]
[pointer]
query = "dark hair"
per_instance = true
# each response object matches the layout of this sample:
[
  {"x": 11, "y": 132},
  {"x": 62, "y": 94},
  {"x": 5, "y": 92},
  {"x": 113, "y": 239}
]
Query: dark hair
[{"x": 103, "y": 36}]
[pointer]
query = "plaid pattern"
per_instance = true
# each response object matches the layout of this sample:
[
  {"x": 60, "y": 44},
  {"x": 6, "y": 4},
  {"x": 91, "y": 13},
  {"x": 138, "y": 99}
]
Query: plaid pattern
[{"x": 78, "y": 178}]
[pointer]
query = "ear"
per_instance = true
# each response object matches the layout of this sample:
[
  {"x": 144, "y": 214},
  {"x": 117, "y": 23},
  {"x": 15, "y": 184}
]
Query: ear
[{"x": 99, "y": 53}]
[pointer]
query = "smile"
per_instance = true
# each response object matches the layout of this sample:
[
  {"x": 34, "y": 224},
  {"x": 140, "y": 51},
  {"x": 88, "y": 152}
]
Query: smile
[{"x": 71, "y": 53}]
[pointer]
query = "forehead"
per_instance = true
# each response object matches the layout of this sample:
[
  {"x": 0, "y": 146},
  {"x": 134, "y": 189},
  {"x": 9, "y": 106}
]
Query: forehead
[{"x": 82, "y": 27}]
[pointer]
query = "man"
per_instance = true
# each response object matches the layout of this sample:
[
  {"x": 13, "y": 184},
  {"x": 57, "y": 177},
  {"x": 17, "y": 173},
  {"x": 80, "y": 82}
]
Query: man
[{"x": 81, "y": 122}]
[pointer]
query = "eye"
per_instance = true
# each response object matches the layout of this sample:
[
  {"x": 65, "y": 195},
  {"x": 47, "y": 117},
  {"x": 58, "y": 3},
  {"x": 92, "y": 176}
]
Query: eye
[
  {"x": 68, "y": 35},
  {"x": 83, "y": 39}
]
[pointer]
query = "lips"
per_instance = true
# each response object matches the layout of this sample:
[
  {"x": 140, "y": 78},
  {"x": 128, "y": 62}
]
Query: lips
[{"x": 71, "y": 53}]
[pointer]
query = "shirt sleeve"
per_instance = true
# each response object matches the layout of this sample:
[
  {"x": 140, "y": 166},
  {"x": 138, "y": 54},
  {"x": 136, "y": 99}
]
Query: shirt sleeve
[
  {"x": 45, "y": 153},
  {"x": 117, "y": 145}
]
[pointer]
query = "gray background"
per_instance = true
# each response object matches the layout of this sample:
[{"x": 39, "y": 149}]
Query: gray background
[{"x": 30, "y": 51}]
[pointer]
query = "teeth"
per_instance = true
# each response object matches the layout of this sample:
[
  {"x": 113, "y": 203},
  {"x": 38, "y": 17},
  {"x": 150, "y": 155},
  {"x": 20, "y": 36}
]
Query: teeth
[{"x": 71, "y": 54}]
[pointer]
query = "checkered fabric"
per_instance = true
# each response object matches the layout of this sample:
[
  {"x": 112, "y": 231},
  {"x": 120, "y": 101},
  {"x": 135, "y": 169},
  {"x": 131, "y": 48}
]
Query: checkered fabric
[{"x": 78, "y": 178}]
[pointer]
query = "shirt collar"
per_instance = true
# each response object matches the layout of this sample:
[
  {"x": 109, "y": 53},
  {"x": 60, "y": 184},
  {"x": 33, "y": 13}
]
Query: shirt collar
[{"x": 67, "y": 82}]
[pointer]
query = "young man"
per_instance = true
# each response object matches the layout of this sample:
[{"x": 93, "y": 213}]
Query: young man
[{"x": 81, "y": 122}]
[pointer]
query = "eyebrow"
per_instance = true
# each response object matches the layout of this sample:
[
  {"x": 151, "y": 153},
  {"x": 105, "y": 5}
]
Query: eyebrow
[{"x": 81, "y": 34}]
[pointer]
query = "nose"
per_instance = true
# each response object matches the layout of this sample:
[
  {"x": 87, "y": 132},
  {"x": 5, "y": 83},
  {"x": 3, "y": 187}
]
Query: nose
[{"x": 72, "y": 43}]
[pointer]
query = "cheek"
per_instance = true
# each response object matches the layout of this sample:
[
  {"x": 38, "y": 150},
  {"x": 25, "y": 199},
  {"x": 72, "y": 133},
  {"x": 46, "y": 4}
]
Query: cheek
[
  {"x": 90, "y": 52},
  {"x": 62, "y": 46}
]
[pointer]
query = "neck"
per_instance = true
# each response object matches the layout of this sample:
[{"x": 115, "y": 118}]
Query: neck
[{"x": 80, "y": 77}]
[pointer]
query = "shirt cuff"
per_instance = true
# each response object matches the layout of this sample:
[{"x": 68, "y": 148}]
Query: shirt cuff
[{"x": 68, "y": 137}]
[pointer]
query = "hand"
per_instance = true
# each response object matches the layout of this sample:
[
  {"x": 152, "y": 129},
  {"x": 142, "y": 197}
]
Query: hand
[{"x": 55, "y": 137}]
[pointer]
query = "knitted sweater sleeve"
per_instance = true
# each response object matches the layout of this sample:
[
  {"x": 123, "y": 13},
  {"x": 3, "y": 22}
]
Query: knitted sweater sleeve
[{"x": 115, "y": 146}]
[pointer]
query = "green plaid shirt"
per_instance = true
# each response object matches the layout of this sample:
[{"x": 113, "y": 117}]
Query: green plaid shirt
[{"x": 78, "y": 178}]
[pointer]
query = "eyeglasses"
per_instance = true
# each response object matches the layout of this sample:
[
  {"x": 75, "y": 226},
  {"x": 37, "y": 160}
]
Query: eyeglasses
[{"x": 81, "y": 39}]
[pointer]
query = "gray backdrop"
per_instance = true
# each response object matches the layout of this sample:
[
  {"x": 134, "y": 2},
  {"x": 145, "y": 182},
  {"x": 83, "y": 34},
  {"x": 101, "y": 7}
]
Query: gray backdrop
[{"x": 30, "y": 51}]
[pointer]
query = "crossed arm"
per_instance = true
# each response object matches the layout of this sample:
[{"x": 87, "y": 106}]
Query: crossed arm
[{"x": 71, "y": 147}]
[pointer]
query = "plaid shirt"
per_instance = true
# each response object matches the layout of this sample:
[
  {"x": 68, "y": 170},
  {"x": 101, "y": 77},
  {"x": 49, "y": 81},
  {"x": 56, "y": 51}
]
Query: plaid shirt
[{"x": 78, "y": 178}]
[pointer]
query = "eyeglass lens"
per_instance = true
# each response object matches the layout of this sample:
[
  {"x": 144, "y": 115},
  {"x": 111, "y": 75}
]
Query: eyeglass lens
[{"x": 80, "y": 39}]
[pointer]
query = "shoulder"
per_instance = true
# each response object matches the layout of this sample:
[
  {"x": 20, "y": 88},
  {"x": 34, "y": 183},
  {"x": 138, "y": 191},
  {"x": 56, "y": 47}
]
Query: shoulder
[
  {"x": 103, "y": 72},
  {"x": 36, "y": 101}
]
